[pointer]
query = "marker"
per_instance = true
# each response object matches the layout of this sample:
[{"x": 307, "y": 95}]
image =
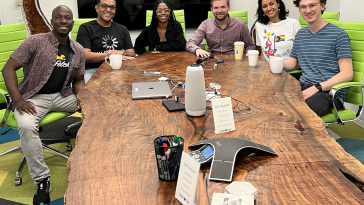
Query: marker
[
  {"x": 166, "y": 150},
  {"x": 175, "y": 142},
  {"x": 165, "y": 166},
  {"x": 159, "y": 162},
  {"x": 175, "y": 168}
]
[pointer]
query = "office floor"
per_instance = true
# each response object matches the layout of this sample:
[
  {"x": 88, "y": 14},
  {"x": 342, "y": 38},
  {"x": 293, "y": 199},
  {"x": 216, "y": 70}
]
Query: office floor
[{"x": 23, "y": 194}]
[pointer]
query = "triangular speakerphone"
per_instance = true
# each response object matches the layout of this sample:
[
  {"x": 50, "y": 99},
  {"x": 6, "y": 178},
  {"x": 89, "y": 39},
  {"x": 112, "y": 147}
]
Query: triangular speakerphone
[{"x": 225, "y": 151}]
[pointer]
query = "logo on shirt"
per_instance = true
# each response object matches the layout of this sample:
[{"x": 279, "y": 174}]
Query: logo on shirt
[
  {"x": 269, "y": 51},
  {"x": 110, "y": 43},
  {"x": 60, "y": 62},
  {"x": 280, "y": 38}
]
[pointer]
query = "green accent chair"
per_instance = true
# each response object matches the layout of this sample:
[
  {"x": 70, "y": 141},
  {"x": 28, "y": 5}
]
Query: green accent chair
[
  {"x": 354, "y": 95},
  {"x": 326, "y": 16},
  {"x": 180, "y": 17},
  {"x": 242, "y": 15},
  {"x": 11, "y": 36},
  {"x": 76, "y": 26}
]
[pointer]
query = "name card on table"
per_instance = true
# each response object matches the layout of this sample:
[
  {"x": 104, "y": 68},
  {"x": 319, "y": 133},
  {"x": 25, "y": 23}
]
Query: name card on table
[
  {"x": 223, "y": 115},
  {"x": 187, "y": 180}
]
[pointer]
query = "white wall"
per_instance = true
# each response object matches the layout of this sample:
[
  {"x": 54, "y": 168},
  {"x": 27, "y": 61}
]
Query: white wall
[{"x": 351, "y": 10}]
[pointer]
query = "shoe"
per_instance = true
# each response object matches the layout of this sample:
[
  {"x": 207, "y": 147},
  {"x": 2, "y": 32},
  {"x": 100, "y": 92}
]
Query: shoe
[{"x": 41, "y": 195}]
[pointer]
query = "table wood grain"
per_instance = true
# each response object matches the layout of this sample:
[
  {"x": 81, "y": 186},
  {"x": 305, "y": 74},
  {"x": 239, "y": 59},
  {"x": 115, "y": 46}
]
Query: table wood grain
[{"x": 114, "y": 161}]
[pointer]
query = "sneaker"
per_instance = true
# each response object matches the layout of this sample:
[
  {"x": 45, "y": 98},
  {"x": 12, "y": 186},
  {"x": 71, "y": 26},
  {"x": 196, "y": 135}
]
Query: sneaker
[{"x": 41, "y": 195}]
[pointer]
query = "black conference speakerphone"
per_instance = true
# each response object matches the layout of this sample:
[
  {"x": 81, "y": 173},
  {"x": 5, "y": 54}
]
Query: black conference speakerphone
[{"x": 204, "y": 154}]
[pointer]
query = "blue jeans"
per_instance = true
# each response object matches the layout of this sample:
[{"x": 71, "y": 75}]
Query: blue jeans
[{"x": 89, "y": 73}]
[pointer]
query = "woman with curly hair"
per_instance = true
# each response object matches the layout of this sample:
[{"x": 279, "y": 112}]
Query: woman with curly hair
[
  {"x": 275, "y": 32},
  {"x": 164, "y": 33}
]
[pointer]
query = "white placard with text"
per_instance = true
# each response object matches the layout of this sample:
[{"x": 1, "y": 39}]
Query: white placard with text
[
  {"x": 223, "y": 115},
  {"x": 187, "y": 180}
]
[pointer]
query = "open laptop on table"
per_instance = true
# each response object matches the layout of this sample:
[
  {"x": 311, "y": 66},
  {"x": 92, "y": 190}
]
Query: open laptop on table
[{"x": 144, "y": 90}]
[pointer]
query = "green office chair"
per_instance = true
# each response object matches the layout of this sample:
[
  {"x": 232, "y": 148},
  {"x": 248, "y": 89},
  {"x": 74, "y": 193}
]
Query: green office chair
[
  {"x": 11, "y": 36},
  {"x": 242, "y": 15},
  {"x": 180, "y": 17},
  {"x": 326, "y": 16},
  {"x": 354, "y": 95},
  {"x": 76, "y": 26}
]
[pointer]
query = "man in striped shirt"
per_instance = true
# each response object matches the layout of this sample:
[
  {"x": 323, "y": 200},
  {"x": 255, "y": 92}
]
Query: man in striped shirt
[
  {"x": 324, "y": 53},
  {"x": 220, "y": 32}
]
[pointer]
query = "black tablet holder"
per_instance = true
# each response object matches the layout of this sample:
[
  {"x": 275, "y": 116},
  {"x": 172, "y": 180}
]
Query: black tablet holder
[{"x": 225, "y": 151}]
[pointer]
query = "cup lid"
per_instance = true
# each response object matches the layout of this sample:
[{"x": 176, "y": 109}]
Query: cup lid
[
  {"x": 253, "y": 52},
  {"x": 238, "y": 43}
]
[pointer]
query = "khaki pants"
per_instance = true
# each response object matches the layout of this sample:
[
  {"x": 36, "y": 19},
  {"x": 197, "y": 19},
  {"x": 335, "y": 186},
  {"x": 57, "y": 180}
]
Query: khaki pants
[{"x": 28, "y": 129}]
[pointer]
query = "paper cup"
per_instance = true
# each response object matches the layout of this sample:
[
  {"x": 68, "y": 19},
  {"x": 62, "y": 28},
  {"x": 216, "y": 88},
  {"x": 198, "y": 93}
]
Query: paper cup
[
  {"x": 253, "y": 57},
  {"x": 239, "y": 49},
  {"x": 276, "y": 64}
]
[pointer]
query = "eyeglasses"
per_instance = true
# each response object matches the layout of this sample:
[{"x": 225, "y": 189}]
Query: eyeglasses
[
  {"x": 105, "y": 6},
  {"x": 163, "y": 11},
  {"x": 266, "y": 6},
  {"x": 311, "y": 6}
]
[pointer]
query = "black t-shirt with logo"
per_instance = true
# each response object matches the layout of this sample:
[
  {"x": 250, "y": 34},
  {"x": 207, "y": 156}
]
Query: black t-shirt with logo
[
  {"x": 100, "y": 39},
  {"x": 60, "y": 70}
]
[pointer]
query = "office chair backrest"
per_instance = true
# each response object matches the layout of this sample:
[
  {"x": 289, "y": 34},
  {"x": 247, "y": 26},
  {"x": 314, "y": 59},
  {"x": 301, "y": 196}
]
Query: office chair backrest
[
  {"x": 355, "y": 31},
  {"x": 76, "y": 26},
  {"x": 180, "y": 17},
  {"x": 326, "y": 16},
  {"x": 242, "y": 15},
  {"x": 11, "y": 36}
]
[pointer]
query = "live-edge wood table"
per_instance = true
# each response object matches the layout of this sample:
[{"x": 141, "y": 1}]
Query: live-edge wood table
[{"x": 114, "y": 161}]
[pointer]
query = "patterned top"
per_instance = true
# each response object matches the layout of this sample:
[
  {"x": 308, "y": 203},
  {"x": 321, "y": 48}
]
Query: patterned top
[
  {"x": 38, "y": 54},
  {"x": 318, "y": 54},
  {"x": 221, "y": 41}
]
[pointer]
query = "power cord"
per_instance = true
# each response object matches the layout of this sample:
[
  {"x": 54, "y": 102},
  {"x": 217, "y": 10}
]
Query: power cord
[
  {"x": 203, "y": 126},
  {"x": 205, "y": 178}
]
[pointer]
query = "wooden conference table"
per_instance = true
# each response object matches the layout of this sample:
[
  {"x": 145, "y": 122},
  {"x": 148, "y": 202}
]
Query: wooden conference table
[{"x": 114, "y": 161}]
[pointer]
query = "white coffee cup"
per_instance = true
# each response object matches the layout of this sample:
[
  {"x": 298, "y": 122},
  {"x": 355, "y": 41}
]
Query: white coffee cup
[
  {"x": 253, "y": 57},
  {"x": 276, "y": 64},
  {"x": 115, "y": 61},
  {"x": 239, "y": 49}
]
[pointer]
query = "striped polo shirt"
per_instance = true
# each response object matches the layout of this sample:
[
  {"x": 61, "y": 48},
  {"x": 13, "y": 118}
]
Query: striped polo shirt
[{"x": 318, "y": 54}]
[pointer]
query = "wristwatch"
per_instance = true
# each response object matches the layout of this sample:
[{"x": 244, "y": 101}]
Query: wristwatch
[
  {"x": 318, "y": 86},
  {"x": 124, "y": 52}
]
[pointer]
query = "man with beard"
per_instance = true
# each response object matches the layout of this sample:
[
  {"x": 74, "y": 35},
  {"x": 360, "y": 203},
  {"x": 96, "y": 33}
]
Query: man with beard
[{"x": 220, "y": 32}]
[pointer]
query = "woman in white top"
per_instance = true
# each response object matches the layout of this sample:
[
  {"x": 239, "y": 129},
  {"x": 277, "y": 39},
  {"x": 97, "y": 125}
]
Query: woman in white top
[{"x": 275, "y": 32}]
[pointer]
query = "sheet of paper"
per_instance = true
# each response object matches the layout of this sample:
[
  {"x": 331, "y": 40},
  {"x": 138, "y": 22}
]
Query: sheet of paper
[
  {"x": 187, "y": 180},
  {"x": 223, "y": 115}
]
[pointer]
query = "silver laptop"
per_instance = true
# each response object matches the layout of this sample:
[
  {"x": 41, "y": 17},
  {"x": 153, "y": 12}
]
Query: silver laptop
[{"x": 146, "y": 90}]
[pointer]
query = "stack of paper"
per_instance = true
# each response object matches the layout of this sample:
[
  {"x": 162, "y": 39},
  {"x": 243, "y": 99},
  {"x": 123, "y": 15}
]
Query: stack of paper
[
  {"x": 229, "y": 199},
  {"x": 237, "y": 193}
]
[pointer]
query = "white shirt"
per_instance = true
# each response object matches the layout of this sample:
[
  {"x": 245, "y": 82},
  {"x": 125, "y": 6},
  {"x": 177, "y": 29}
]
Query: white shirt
[{"x": 276, "y": 39}]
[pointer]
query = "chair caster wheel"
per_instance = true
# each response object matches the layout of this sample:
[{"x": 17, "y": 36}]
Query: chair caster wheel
[
  {"x": 17, "y": 181},
  {"x": 69, "y": 147},
  {"x": 67, "y": 132}
]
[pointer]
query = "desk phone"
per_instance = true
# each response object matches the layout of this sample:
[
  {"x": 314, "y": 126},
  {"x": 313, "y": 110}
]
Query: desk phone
[{"x": 204, "y": 154}]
